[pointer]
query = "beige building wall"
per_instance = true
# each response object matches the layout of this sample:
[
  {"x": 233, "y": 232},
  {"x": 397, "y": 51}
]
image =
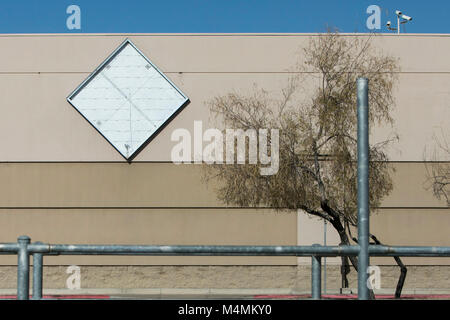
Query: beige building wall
[{"x": 62, "y": 182}]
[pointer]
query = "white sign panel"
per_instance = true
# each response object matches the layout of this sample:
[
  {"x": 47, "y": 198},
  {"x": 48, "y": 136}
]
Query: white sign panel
[{"x": 127, "y": 99}]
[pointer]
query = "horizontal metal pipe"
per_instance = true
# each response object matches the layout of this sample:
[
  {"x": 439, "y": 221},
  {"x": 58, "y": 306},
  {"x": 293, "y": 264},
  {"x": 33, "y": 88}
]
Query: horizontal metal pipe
[
  {"x": 323, "y": 251},
  {"x": 9, "y": 247},
  {"x": 331, "y": 251},
  {"x": 409, "y": 251},
  {"x": 204, "y": 250},
  {"x": 39, "y": 247}
]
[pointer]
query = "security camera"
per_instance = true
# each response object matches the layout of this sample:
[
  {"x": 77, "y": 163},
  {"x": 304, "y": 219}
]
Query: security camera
[
  {"x": 388, "y": 23},
  {"x": 398, "y": 12},
  {"x": 407, "y": 18}
]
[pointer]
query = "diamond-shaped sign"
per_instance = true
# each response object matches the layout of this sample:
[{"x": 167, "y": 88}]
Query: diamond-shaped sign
[{"x": 128, "y": 100}]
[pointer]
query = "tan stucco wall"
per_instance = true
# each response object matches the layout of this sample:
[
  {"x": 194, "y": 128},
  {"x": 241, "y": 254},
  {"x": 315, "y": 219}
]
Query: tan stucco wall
[
  {"x": 62, "y": 182},
  {"x": 154, "y": 185},
  {"x": 292, "y": 279},
  {"x": 44, "y": 127},
  {"x": 164, "y": 203}
]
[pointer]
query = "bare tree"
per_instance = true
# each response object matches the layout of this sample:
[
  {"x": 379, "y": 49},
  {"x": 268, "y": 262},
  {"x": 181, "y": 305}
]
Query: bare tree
[
  {"x": 437, "y": 165},
  {"x": 316, "y": 116}
]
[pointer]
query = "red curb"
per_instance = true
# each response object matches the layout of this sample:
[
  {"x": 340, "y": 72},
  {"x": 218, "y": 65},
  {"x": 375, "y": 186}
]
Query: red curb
[
  {"x": 81, "y": 296},
  {"x": 354, "y": 296}
]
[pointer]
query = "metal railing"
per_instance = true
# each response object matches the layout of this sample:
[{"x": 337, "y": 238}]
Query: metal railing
[{"x": 24, "y": 248}]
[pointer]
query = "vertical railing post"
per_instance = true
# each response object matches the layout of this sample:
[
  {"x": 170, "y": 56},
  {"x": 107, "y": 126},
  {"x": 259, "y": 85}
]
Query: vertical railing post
[
  {"x": 363, "y": 186},
  {"x": 316, "y": 281},
  {"x": 37, "y": 274},
  {"x": 23, "y": 268},
  {"x": 324, "y": 258}
]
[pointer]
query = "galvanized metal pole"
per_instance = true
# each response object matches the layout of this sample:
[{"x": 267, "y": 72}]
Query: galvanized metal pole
[
  {"x": 316, "y": 291},
  {"x": 23, "y": 268},
  {"x": 37, "y": 274},
  {"x": 325, "y": 258},
  {"x": 363, "y": 186}
]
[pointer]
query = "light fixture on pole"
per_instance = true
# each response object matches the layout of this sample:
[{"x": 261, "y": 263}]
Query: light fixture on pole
[{"x": 401, "y": 19}]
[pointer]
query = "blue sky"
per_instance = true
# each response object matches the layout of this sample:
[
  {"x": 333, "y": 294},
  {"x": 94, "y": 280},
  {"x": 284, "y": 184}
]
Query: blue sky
[{"x": 207, "y": 16}]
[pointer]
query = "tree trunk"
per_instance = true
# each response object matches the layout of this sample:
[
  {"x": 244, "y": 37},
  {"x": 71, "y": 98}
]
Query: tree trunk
[
  {"x": 345, "y": 270},
  {"x": 336, "y": 223},
  {"x": 403, "y": 271}
]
